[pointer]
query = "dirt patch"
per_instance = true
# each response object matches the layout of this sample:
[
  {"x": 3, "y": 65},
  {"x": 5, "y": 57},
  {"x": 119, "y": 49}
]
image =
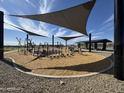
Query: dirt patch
[{"x": 73, "y": 65}]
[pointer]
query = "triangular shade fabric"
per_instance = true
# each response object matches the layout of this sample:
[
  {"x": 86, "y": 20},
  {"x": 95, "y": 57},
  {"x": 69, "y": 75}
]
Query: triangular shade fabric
[
  {"x": 28, "y": 32},
  {"x": 69, "y": 38},
  {"x": 74, "y": 18}
]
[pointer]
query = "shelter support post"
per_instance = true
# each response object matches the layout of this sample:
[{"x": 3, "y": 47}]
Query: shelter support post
[
  {"x": 47, "y": 49},
  {"x": 1, "y": 35},
  {"x": 66, "y": 43},
  {"x": 90, "y": 43},
  {"x": 119, "y": 40},
  {"x": 104, "y": 46},
  {"x": 53, "y": 42},
  {"x": 86, "y": 45},
  {"x": 27, "y": 41},
  {"x": 95, "y": 46}
]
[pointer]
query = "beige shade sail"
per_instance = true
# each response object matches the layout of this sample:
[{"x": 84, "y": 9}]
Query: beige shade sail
[
  {"x": 69, "y": 38},
  {"x": 28, "y": 32},
  {"x": 74, "y": 18}
]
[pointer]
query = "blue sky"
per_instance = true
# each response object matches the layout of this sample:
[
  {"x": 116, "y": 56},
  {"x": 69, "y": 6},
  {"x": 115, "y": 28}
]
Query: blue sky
[{"x": 100, "y": 22}]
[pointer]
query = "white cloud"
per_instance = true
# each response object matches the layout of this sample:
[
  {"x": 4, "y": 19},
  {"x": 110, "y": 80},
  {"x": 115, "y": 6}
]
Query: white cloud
[
  {"x": 75, "y": 34},
  {"x": 42, "y": 31},
  {"x": 7, "y": 26},
  {"x": 7, "y": 20},
  {"x": 24, "y": 23},
  {"x": 10, "y": 43},
  {"x": 96, "y": 37},
  {"x": 109, "y": 19},
  {"x": 79, "y": 39},
  {"x": 4, "y": 10},
  {"x": 61, "y": 32},
  {"x": 111, "y": 28},
  {"x": 98, "y": 33},
  {"x": 92, "y": 31},
  {"x": 2, "y": 0},
  {"x": 29, "y": 2},
  {"x": 106, "y": 26},
  {"x": 31, "y": 26},
  {"x": 46, "y": 5}
]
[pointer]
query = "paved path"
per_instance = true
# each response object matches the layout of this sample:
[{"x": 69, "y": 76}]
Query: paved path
[{"x": 13, "y": 81}]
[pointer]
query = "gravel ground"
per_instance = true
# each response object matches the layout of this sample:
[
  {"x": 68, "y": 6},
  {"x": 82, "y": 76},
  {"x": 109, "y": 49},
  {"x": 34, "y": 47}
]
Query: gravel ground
[{"x": 13, "y": 81}]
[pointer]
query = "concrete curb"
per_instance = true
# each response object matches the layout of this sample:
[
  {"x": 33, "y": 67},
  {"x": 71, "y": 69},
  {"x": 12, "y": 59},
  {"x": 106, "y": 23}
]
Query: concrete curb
[{"x": 10, "y": 51}]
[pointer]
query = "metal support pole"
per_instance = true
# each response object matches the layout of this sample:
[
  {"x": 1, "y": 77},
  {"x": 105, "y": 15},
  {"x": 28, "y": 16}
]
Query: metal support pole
[
  {"x": 47, "y": 49},
  {"x": 27, "y": 41},
  {"x": 95, "y": 46},
  {"x": 86, "y": 45},
  {"x": 119, "y": 40},
  {"x": 1, "y": 35},
  {"x": 66, "y": 43},
  {"x": 90, "y": 43},
  {"x": 104, "y": 46},
  {"x": 53, "y": 42}
]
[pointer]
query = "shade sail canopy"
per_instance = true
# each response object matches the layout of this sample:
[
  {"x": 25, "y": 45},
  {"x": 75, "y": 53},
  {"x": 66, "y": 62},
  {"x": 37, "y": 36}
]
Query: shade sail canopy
[
  {"x": 28, "y": 32},
  {"x": 69, "y": 38},
  {"x": 74, "y": 18}
]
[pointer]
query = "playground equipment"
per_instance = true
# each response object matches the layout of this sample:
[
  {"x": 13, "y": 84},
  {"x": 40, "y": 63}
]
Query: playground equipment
[{"x": 21, "y": 47}]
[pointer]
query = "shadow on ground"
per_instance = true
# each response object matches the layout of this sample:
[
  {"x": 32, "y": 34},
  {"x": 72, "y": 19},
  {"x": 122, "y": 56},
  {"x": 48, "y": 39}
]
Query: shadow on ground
[
  {"x": 81, "y": 67},
  {"x": 9, "y": 62},
  {"x": 87, "y": 67}
]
